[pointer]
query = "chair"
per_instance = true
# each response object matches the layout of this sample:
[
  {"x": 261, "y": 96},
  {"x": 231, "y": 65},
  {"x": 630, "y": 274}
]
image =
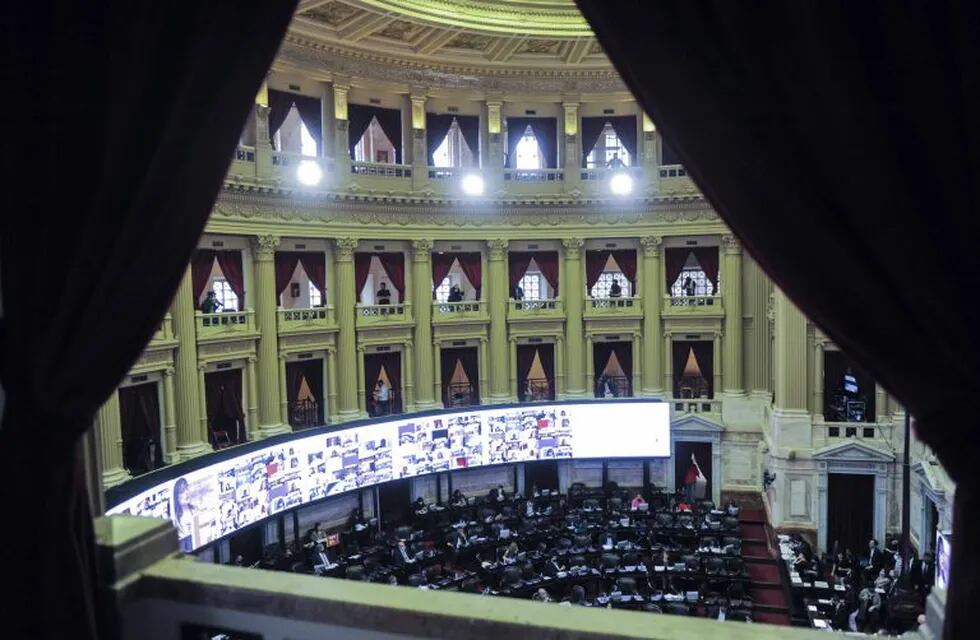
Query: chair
[
  {"x": 582, "y": 541},
  {"x": 564, "y": 543},
  {"x": 735, "y": 566},
  {"x": 590, "y": 504},
  {"x": 355, "y": 572},
  {"x": 706, "y": 505},
  {"x": 576, "y": 561},
  {"x": 433, "y": 573},
  {"x": 416, "y": 579},
  {"x": 678, "y": 609},
  {"x": 714, "y": 565},
  {"x": 610, "y": 561},
  {"x": 512, "y": 577},
  {"x": 729, "y": 523},
  {"x": 403, "y": 532},
  {"x": 615, "y": 504},
  {"x": 649, "y": 607},
  {"x": 371, "y": 565},
  {"x": 631, "y": 560},
  {"x": 665, "y": 520},
  {"x": 626, "y": 585},
  {"x": 693, "y": 563},
  {"x": 527, "y": 570}
]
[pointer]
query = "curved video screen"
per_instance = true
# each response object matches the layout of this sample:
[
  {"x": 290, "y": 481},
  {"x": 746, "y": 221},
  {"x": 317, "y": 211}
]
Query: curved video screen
[{"x": 207, "y": 500}]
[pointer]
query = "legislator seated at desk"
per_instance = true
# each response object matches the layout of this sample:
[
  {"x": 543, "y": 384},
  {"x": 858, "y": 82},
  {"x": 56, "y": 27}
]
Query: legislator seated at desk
[
  {"x": 638, "y": 503},
  {"x": 458, "y": 499},
  {"x": 321, "y": 560},
  {"x": 401, "y": 555}
]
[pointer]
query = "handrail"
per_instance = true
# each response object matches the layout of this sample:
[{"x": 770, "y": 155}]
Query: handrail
[
  {"x": 382, "y": 169},
  {"x": 692, "y": 301},
  {"x": 672, "y": 171},
  {"x": 464, "y": 306},
  {"x": 534, "y": 175},
  {"x": 305, "y": 314},
  {"x": 537, "y": 390},
  {"x": 226, "y": 319},
  {"x": 616, "y": 302},
  {"x": 544, "y": 304},
  {"x": 382, "y": 310},
  {"x": 603, "y": 173}
]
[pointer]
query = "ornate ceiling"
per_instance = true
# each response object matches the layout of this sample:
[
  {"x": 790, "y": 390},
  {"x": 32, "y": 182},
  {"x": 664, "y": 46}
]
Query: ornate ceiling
[{"x": 544, "y": 38}]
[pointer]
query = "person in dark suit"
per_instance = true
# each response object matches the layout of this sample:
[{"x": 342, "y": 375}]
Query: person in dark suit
[
  {"x": 876, "y": 559},
  {"x": 518, "y": 292},
  {"x": 384, "y": 295},
  {"x": 401, "y": 556},
  {"x": 553, "y": 567}
]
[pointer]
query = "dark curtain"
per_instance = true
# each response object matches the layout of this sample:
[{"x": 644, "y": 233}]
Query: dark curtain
[
  {"x": 280, "y": 103},
  {"x": 850, "y": 511},
  {"x": 681, "y": 351},
  {"x": 372, "y": 371},
  {"x": 591, "y": 129},
  {"x": 545, "y": 131},
  {"x": 313, "y": 372},
  {"x": 517, "y": 264},
  {"x": 600, "y": 359},
  {"x": 315, "y": 265},
  {"x": 674, "y": 261},
  {"x": 625, "y": 128},
  {"x": 548, "y": 264},
  {"x": 624, "y": 353},
  {"x": 223, "y": 395},
  {"x": 162, "y": 116},
  {"x": 667, "y": 153},
  {"x": 682, "y": 461},
  {"x": 394, "y": 266},
  {"x": 230, "y": 263},
  {"x": 286, "y": 262},
  {"x": 310, "y": 113},
  {"x": 362, "y": 268},
  {"x": 392, "y": 363},
  {"x": 139, "y": 412},
  {"x": 707, "y": 257},
  {"x": 472, "y": 265},
  {"x": 704, "y": 352},
  {"x": 525, "y": 358},
  {"x": 469, "y": 359},
  {"x": 436, "y": 129},
  {"x": 594, "y": 263},
  {"x": 202, "y": 262},
  {"x": 441, "y": 264},
  {"x": 294, "y": 380},
  {"x": 546, "y": 353},
  {"x": 469, "y": 126},
  {"x": 390, "y": 120},
  {"x": 626, "y": 259}
]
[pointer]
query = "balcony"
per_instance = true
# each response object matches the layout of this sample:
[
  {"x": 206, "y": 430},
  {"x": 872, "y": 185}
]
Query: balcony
[
  {"x": 833, "y": 432},
  {"x": 243, "y": 162},
  {"x": 306, "y": 320},
  {"x": 164, "y": 333},
  {"x": 224, "y": 325},
  {"x": 468, "y": 311},
  {"x": 695, "y": 405},
  {"x": 551, "y": 309},
  {"x": 685, "y": 306},
  {"x": 674, "y": 180},
  {"x": 383, "y": 315},
  {"x": 613, "y": 307},
  {"x": 534, "y": 175}
]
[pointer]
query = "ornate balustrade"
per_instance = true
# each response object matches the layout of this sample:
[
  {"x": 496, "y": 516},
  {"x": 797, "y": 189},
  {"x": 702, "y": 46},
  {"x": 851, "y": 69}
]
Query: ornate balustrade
[
  {"x": 381, "y": 314},
  {"x": 835, "y": 431},
  {"x": 225, "y": 324},
  {"x": 455, "y": 311},
  {"x": 551, "y": 308},
  {"x": 306, "y": 319},
  {"x": 600, "y": 174},
  {"x": 534, "y": 175},
  {"x": 381, "y": 169},
  {"x": 613, "y": 307},
  {"x": 695, "y": 405},
  {"x": 692, "y": 305}
]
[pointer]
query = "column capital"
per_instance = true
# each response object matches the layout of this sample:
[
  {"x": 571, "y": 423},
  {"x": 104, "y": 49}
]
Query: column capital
[
  {"x": 498, "y": 248},
  {"x": 345, "y": 248},
  {"x": 731, "y": 244},
  {"x": 573, "y": 247},
  {"x": 417, "y": 98},
  {"x": 651, "y": 245},
  {"x": 251, "y": 359},
  {"x": 331, "y": 351},
  {"x": 169, "y": 371},
  {"x": 201, "y": 366},
  {"x": 422, "y": 250},
  {"x": 264, "y": 246}
]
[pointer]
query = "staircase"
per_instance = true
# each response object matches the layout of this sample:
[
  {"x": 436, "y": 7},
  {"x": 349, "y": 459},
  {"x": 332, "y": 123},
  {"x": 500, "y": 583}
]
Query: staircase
[{"x": 769, "y": 589}]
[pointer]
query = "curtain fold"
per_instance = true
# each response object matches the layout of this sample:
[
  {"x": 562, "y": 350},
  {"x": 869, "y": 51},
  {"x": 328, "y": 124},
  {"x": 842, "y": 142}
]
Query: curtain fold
[
  {"x": 390, "y": 120},
  {"x": 517, "y": 264},
  {"x": 674, "y": 261},
  {"x": 202, "y": 262},
  {"x": 626, "y": 259},
  {"x": 590, "y": 130},
  {"x": 394, "y": 266},
  {"x": 624, "y": 353},
  {"x": 525, "y": 358},
  {"x": 469, "y": 126},
  {"x": 313, "y": 372},
  {"x": 230, "y": 263},
  {"x": 315, "y": 265},
  {"x": 311, "y": 114},
  {"x": 294, "y": 380},
  {"x": 704, "y": 352},
  {"x": 279, "y": 104},
  {"x": 472, "y": 265},
  {"x": 362, "y": 268},
  {"x": 680, "y": 352},
  {"x": 546, "y": 132},
  {"x": 595, "y": 261},
  {"x": 372, "y": 370},
  {"x": 600, "y": 359},
  {"x": 547, "y": 261},
  {"x": 437, "y": 127},
  {"x": 546, "y": 353},
  {"x": 393, "y": 366},
  {"x": 162, "y": 117},
  {"x": 442, "y": 262},
  {"x": 707, "y": 257},
  {"x": 286, "y": 262},
  {"x": 625, "y": 128},
  {"x": 469, "y": 358},
  {"x": 515, "y": 131},
  {"x": 358, "y": 120}
]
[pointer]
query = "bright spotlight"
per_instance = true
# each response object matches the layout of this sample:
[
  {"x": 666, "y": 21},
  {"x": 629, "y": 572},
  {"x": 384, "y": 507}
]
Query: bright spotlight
[
  {"x": 621, "y": 184},
  {"x": 309, "y": 173},
  {"x": 473, "y": 184}
]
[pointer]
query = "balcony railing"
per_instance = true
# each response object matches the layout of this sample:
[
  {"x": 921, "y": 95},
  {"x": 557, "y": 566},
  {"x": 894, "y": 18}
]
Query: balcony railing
[
  {"x": 447, "y": 173},
  {"x": 459, "y": 394},
  {"x": 613, "y": 387},
  {"x": 372, "y": 314},
  {"x": 305, "y": 318},
  {"x": 378, "y": 407},
  {"x": 549, "y": 306},
  {"x": 534, "y": 175},
  {"x": 466, "y": 310},
  {"x": 855, "y": 430},
  {"x": 604, "y": 173},
  {"x": 225, "y": 323},
  {"x": 165, "y": 331},
  {"x": 696, "y": 405},
  {"x": 692, "y": 305},
  {"x": 692, "y": 301},
  {"x": 537, "y": 390},
  {"x": 244, "y": 153},
  {"x": 304, "y": 414},
  {"x": 672, "y": 171},
  {"x": 613, "y": 306},
  {"x": 381, "y": 169}
]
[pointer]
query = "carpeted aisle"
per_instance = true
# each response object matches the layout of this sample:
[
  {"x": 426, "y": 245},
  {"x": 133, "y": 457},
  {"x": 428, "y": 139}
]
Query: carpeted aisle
[{"x": 769, "y": 591}]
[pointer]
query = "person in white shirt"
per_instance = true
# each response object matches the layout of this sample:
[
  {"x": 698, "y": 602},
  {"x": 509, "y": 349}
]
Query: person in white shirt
[{"x": 383, "y": 397}]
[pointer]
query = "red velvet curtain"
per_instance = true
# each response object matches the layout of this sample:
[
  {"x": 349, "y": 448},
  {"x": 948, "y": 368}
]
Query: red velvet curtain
[
  {"x": 704, "y": 352},
  {"x": 594, "y": 263},
  {"x": 469, "y": 359},
  {"x": 626, "y": 259},
  {"x": 372, "y": 371},
  {"x": 548, "y": 263},
  {"x": 162, "y": 116},
  {"x": 674, "y": 261},
  {"x": 286, "y": 262},
  {"x": 230, "y": 263},
  {"x": 394, "y": 266},
  {"x": 202, "y": 262},
  {"x": 525, "y": 358},
  {"x": 315, "y": 265},
  {"x": 362, "y": 268},
  {"x": 707, "y": 257},
  {"x": 517, "y": 263},
  {"x": 472, "y": 266},
  {"x": 441, "y": 264}
]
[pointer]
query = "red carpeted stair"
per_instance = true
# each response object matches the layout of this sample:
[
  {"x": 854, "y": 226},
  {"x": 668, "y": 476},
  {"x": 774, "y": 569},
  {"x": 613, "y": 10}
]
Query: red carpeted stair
[{"x": 769, "y": 590}]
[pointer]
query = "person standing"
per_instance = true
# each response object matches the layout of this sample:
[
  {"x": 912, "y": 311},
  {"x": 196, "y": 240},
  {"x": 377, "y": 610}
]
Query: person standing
[
  {"x": 691, "y": 480},
  {"x": 383, "y": 398},
  {"x": 211, "y": 304}
]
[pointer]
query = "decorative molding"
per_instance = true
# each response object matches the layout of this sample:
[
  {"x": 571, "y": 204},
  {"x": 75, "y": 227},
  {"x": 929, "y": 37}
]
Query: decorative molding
[
  {"x": 651, "y": 245},
  {"x": 731, "y": 244},
  {"x": 345, "y": 248},
  {"x": 422, "y": 249},
  {"x": 498, "y": 248},
  {"x": 264, "y": 246},
  {"x": 573, "y": 247}
]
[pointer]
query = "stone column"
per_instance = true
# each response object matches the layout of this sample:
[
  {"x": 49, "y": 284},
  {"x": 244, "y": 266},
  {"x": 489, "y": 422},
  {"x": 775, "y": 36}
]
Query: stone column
[
  {"x": 668, "y": 342},
  {"x": 574, "y": 297},
  {"x": 791, "y": 420},
  {"x": 331, "y": 412},
  {"x": 590, "y": 360},
  {"x": 484, "y": 388},
  {"x": 637, "y": 373},
  {"x": 408, "y": 378},
  {"x": 263, "y": 144},
  {"x": 493, "y": 162},
  {"x": 437, "y": 370},
  {"x": 283, "y": 401},
  {"x": 497, "y": 290},
  {"x": 202, "y": 419},
  {"x": 192, "y": 440},
  {"x": 756, "y": 358},
  {"x": 425, "y": 398},
  {"x": 169, "y": 418},
  {"x": 111, "y": 442},
  {"x": 253, "y": 396},
  {"x": 818, "y": 346},
  {"x": 270, "y": 416},
  {"x": 648, "y": 159},
  {"x": 651, "y": 299},
  {"x": 719, "y": 362},
  {"x": 417, "y": 145},
  {"x": 348, "y": 403},
  {"x": 731, "y": 283},
  {"x": 514, "y": 382},
  {"x": 361, "y": 390},
  {"x": 572, "y": 149},
  {"x": 559, "y": 366},
  {"x": 342, "y": 158}
]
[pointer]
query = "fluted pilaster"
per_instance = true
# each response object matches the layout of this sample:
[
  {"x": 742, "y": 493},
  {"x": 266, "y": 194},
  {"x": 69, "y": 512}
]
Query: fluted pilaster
[
  {"x": 650, "y": 278},
  {"x": 111, "y": 443},
  {"x": 270, "y": 415},
  {"x": 422, "y": 294},
  {"x": 347, "y": 357},
  {"x": 498, "y": 295},
  {"x": 192, "y": 436},
  {"x": 574, "y": 292}
]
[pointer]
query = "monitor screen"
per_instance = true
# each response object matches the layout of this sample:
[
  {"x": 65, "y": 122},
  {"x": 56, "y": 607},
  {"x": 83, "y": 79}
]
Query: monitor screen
[{"x": 208, "y": 502}]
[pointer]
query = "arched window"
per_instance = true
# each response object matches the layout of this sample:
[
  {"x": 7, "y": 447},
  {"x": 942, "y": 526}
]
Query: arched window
[
  {"x": 527, "y": 152},
  {"x": 453, "y": 151},
  {"x": 607, "y": 149}
]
